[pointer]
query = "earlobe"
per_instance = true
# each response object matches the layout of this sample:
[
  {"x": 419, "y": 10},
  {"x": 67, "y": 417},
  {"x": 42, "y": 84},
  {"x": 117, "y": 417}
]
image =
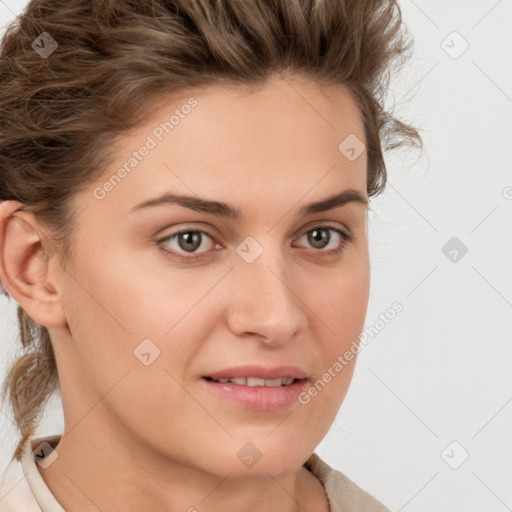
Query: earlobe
[{"x": 24, "y": 266}]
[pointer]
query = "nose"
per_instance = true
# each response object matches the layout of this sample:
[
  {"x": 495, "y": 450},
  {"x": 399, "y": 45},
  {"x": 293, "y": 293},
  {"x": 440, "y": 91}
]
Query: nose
[{"x": 263, "y": 300}]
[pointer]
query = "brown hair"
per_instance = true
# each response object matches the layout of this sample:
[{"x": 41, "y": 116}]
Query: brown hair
[{"x": 61, "y": 114}]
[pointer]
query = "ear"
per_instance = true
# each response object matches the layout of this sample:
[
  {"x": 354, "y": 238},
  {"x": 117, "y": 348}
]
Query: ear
[{"x": 24, "y": 265}]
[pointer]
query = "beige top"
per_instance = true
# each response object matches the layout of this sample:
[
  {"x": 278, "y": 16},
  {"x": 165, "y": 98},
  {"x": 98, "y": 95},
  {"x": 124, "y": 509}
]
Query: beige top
[{"x": 28, "y": 492}]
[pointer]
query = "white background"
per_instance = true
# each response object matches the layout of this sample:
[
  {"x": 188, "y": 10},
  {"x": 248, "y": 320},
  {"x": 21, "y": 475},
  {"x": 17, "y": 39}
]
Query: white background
[{"x": 441, "y": 370}]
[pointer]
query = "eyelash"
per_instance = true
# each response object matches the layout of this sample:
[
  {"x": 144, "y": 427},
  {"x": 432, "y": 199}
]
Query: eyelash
[{"x": 346, "y": 238}]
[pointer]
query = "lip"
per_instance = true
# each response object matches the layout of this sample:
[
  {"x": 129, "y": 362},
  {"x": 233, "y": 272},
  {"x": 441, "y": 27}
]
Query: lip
[
  {"x": 261, "y": 372},
  {"x": 258, "y": 397}
]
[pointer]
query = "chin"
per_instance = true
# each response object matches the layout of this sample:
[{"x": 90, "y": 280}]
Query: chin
[{"x": 259, "y": 458}]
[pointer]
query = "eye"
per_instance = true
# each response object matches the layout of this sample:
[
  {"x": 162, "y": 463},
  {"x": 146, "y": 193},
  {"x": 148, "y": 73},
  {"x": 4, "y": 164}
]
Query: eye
[
  {"x": 188, "y": 241},
  {"x": 320, "y": 238}
]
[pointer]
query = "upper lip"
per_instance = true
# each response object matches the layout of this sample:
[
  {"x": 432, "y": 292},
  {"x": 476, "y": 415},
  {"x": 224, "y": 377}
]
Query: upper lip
[{"x": 260, "y": 372}]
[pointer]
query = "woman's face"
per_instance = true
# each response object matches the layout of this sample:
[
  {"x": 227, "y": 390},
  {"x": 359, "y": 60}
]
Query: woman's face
[{"x": 150, "y": 315}]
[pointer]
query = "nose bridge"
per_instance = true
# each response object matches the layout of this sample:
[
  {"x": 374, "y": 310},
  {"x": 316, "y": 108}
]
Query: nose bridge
[{"x": 262, "y": 299}]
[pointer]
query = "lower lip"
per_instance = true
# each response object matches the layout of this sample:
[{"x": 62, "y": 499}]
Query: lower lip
[{"x": 262, "y": 398}]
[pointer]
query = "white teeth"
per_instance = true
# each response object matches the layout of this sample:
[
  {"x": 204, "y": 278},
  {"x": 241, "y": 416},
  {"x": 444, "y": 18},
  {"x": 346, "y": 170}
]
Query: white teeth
[
  {"x": 271, "y": 383},
  {"x": 255, "y": 381}
]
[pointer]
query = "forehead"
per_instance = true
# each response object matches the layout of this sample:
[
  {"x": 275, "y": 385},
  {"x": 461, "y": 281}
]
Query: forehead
[{"x": 266, "y": 142}]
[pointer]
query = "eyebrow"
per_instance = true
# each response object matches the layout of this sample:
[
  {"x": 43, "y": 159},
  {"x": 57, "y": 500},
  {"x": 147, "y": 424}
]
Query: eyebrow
[{"x": 221, "y": 209}]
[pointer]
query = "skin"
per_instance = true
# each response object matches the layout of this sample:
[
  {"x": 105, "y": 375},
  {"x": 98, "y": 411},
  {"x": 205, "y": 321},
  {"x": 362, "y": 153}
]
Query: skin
[{"x": 153, "y": 437}]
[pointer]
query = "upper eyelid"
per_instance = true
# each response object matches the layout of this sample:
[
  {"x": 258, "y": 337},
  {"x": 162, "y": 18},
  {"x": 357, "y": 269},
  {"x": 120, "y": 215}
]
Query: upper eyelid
[{"x": 308, "y": 227}]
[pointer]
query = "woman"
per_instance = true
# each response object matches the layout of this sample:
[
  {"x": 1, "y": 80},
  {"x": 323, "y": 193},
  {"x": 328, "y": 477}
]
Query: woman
[{"x": 185, "y": 188}]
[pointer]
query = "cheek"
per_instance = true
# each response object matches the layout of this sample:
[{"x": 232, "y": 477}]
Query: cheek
[
  {"x": 340, "y": 301},
  {"x": 121, "y": 307}
]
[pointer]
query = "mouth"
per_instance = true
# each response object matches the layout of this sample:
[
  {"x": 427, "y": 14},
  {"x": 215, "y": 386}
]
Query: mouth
[{"x": 255, "y": 381}]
